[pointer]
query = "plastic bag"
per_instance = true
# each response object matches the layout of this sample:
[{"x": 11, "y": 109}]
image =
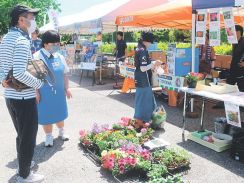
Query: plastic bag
[{"x": 159, "y": 117}]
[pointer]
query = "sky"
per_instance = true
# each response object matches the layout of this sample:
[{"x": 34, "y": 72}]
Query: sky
[{"x": 69, "y": 7}]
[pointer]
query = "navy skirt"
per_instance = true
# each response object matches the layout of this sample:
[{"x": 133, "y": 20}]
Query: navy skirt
[{"x": 144, "y": 104}]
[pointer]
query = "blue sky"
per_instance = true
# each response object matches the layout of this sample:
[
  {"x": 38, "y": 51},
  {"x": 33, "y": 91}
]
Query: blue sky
[{"x": 74, "y": 6}]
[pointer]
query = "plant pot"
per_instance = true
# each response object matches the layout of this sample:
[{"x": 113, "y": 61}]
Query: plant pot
[{"x": 192, "y": 84}]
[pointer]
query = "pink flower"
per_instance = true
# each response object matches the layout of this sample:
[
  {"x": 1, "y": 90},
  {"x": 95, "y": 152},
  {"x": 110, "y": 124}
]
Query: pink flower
[
  {"x": 147, "y": 125},
  {"x": 133, "y": 161},
  {"x": 82, "y": 133},
  {"x": 130, "y": 127},
  {"x": 121, "y": 169},
  {"x": 143, "y": 130},
  {"x": 122, "y": 162}
]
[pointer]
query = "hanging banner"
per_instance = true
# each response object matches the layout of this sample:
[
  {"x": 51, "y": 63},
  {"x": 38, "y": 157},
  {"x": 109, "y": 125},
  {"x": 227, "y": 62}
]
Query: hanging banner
[
  {"x": 171, "y": 58},
  {"x": 214, "y": 27},
  {"x": 53, "y": 17},
  {"x": 230, "y": 25},
  {"x": 239, "y": 2},
  {"x": 201, "y": 27},
  {"x": 233, "y": 114}
]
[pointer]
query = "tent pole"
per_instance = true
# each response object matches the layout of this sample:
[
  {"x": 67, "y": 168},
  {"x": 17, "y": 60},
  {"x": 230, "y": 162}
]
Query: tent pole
[{"x": 193, "y": 42}]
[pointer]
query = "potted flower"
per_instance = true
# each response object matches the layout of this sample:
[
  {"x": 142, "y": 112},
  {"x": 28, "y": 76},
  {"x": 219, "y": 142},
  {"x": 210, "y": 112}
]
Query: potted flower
[{"x": 192, "y": 79}]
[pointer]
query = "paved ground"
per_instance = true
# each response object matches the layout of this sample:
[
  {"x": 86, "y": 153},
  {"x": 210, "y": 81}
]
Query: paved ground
[{"x": 66, "y": 163}]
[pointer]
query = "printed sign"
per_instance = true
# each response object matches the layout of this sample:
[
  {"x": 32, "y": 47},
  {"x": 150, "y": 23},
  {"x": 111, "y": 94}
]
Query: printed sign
[
  {"x": 232, "y": 114},
  {"x": 171, "y": 58},
  {"x": 171, "y": 82},
  {"x": 230, "y": 25},
  {"x": 201, "y": 27},
  {"x": 214, "y": 27},
  {"x": 239, "y": 2},
  {"x": 91, "y": 66},
  {"x": 53, "y": 17}
]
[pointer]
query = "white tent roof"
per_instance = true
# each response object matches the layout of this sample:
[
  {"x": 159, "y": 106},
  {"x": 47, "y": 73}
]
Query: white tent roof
[
  {"x": 100, "y": 17},
  {"x": 89, "y": 18}
]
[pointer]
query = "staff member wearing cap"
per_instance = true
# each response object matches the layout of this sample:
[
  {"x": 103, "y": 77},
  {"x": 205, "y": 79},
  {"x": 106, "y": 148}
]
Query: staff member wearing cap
[
  {"x": 52, "y": 105},
  {"x": 144, "y": 101},
  {"x": 14, "y": 54}
]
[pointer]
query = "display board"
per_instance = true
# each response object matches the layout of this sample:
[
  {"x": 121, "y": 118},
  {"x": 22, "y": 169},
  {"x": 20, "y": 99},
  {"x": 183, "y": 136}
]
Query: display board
[{"x": 171, "y": 82}]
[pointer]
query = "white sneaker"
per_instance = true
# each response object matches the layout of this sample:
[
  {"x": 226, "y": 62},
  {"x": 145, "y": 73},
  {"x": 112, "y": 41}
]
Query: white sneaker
[
  {"x": 31, "y": 166},
  {"x": 32, "y": 178},
  {"x": 49, "y": 141}
]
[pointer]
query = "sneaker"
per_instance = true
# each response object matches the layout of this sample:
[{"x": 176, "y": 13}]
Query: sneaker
[
  {"x": 31, "y": 166},
  {"x": 32, "y": 178},
  {"x": 49, "y": 141},
  {"x": 64, "y": 137}
]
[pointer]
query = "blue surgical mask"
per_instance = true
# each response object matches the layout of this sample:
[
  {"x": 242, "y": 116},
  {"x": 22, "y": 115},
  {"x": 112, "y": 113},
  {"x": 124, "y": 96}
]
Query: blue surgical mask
[{"x": 54, "y": 49}]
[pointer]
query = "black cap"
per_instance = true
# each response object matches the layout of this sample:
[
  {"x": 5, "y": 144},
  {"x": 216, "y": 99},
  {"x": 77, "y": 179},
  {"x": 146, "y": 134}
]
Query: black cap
[
  {"x": 148, "y": 37},
  {"x": 18, "y": 10}
]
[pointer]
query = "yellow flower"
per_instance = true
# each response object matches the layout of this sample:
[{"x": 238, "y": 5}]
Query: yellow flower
[{"x": 104, "y": 153}]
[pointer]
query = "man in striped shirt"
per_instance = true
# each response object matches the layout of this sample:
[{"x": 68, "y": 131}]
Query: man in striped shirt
[{"x": 15, "y": 53}]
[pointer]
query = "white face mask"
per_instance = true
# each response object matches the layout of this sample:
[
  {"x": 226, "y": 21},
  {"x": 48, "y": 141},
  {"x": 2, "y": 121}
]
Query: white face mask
[{"x": 32, "y": 27}]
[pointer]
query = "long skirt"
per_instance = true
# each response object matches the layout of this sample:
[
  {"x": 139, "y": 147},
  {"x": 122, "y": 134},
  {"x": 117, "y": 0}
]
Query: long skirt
[{"x": 144, "y": 104}]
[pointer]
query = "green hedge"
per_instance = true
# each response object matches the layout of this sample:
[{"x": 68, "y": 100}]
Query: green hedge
[{"x": 224, "y": 49}]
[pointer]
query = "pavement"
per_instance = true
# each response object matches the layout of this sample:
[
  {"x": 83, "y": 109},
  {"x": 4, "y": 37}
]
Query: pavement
[{"x": 65, "y": 162}]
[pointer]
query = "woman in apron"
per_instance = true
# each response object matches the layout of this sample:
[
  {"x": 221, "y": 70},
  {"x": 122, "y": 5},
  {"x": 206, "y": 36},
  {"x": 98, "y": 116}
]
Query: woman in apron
[
  {"x": 51, "y": 98},
  {"x": 144, "y": 100}
]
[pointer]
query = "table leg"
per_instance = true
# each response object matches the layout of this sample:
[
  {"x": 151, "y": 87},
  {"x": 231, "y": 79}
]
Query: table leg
[
  {"x": 202, "y": 115},
  {"x": 184, "y": 117}
]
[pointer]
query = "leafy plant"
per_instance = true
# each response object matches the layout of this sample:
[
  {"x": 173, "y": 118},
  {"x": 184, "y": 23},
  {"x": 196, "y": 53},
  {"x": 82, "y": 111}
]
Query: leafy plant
[
  {"x": 193, "y": 77},
  {"x": 172, "y": 158},
  {"x": 157, "y": 171},
  {"x": 169, "y": 179}
]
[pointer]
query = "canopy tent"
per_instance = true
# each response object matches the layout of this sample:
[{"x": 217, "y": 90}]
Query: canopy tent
[
  {"x": 90, "y": 18},
  {"x": 174, "y": 14},
  {"x": 101, "y": 17}
]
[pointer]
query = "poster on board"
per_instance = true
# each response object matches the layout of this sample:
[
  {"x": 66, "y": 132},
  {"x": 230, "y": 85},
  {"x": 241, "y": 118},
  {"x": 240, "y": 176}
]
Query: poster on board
[
  {"x": 230, "y": 25},
  {"x": 214, "y": 27},
  {"x": 201, "y": 27},
  {"x": 232, "y": 112}
]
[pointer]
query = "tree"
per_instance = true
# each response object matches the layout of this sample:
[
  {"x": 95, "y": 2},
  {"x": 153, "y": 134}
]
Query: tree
[{"x": 7, "y": 5}]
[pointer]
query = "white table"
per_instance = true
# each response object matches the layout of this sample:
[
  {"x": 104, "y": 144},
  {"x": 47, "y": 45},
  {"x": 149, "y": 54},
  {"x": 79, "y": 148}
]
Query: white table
[{"x": 236, "y": 98}]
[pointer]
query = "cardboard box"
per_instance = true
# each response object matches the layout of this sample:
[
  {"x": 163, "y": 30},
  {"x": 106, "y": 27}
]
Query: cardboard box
[
  {"x": 158, "y": 55},
  {"x": 223, "y": 61}
]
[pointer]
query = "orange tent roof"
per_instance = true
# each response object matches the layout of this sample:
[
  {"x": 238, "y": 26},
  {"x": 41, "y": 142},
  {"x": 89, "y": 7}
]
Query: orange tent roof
[{"x": 174, "y": 14}]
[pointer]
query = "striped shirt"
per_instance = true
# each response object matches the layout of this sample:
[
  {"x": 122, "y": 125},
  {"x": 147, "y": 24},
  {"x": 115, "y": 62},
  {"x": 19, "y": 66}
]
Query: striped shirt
[{"x": 15, "y": 53}]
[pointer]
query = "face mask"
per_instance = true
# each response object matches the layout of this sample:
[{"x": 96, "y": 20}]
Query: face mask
[
  {"x": 32, "y": 27},
  {"x": 54, "y": 49}
]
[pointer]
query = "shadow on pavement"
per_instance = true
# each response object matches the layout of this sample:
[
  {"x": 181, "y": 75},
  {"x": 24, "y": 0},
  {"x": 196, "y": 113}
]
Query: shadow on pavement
[
  {"x": 42, "y": 154},
  {"x": 222, "y": 159}
]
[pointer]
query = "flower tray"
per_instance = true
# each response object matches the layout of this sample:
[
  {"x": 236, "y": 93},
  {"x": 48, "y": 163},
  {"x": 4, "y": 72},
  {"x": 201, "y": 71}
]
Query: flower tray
[
  {"x": 183, "y": 168},
  {"x": 180, "y": 169},
  {"x": 133, "y": 176},
  {"x": 91, "y": 153},
  {"x": 95, "y": 158}
]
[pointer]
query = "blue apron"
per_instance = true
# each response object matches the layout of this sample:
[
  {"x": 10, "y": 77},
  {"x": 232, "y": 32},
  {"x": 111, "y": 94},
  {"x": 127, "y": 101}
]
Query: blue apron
[{"x": 52, "y": 107}]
